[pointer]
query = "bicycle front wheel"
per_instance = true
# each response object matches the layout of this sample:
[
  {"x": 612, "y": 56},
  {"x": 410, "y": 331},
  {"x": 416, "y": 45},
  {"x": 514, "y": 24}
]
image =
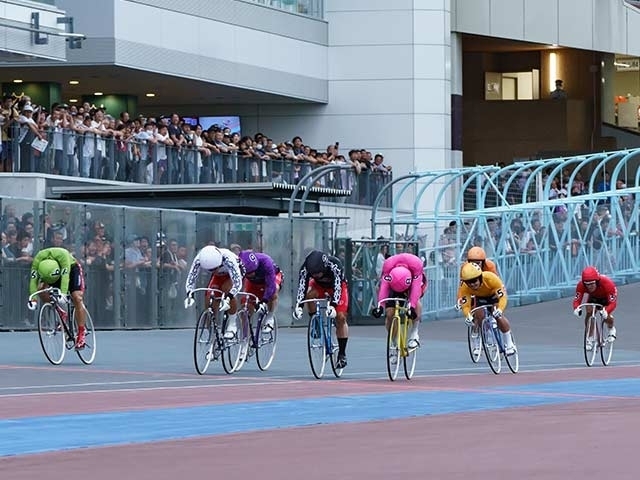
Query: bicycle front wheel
[
  {"x": 233, "y": 348},
  {"x": 606, "y": 347},
  {"x": 513, "y": 361},
  {"x": 267, "y": 336},
  {"x": 473, "y": 341},
  {"x": 332, "y": 343},
  {"x": 87, "y": 354},
  {"x": 203, "y": 342},
  {"x": 491, "y": 346},
  {"x": 244, "y": 339},
  {"x": 393, "y": 349},
  {"x": 409, "y": 359},
  {"x": 316, "y": 346},
  {"x": 591, "y": 339},
  {"x": 52, "y": 334}
]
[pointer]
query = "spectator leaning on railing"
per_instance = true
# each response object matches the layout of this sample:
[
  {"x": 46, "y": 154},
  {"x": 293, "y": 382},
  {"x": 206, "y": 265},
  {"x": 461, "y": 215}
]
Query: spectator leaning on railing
[{"x": 85, "y": 140}]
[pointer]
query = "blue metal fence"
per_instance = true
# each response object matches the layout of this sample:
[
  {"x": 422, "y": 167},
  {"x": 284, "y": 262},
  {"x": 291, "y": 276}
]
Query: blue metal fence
[{"x": 542, "y": 222}]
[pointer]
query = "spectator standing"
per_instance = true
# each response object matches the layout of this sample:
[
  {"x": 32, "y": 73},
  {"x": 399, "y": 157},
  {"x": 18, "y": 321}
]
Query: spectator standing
[{"x": 559, "y": 93}]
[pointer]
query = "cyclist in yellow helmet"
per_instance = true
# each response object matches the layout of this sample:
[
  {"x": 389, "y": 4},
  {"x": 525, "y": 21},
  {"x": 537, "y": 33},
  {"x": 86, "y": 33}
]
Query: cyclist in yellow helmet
[
  {"x": 478, "y": 256},
  {"x": 484, "y": 288}
]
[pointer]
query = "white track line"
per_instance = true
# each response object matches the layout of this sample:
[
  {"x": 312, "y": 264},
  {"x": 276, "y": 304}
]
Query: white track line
[
  {"x": 281, "y": 380},
  {"x": 127, "y": 390}
]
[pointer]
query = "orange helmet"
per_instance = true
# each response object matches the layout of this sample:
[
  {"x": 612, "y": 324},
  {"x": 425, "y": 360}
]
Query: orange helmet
[{"x": 476, "y": 254}]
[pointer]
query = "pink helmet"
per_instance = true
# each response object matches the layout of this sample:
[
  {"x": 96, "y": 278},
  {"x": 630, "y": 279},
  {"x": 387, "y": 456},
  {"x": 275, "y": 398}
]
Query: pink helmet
[{"x": 399, "y": 279}]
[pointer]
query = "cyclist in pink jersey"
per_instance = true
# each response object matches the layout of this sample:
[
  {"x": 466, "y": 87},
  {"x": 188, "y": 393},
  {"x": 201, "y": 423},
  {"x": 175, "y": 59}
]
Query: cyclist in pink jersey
[{"x": 403, "y": 276}]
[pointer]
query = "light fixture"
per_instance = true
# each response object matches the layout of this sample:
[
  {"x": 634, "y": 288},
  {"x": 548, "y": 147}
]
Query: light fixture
[
  {"x": 553, "y": 69},
  {"x": 150, "y": 94},
  {"x": 17, "y": 80},
  {"x": 97, "y": 94},
  {"x": 74, "y": 82},
  {"x": 621, "y": 64},
  {"x": 73, "y": 100}
]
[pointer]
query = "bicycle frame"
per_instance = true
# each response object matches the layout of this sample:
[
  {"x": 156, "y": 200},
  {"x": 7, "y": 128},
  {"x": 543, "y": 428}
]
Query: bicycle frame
[
  {"x": 218, "y": 345},
  {"x": 256, "y": 340},
  {"x": 67, "y": 328},
  {"x": 323, "y": 320},
  {"x": 405, "y": 323},
  {"x": 397, "y": 339},
  {"x": 594, "y": 331},
  {"x": 490, "y": 333},
  {"x": 324, "y": 323},
  {"x": 247, "y": 300},
  {"x": 246, "y": 330}
]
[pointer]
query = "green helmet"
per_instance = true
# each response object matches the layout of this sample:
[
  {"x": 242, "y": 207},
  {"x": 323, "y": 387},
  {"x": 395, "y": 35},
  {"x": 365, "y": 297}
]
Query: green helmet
[{"x": 49, "y": 271}]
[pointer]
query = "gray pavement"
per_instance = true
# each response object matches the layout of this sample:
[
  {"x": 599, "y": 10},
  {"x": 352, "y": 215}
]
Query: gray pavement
[{"x": 548, "y": 336}]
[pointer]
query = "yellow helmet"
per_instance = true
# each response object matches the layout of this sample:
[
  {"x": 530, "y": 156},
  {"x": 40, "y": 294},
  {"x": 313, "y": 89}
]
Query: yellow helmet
[
  {"x": 470, "y": 271},
  {"x": 476, "y": 254}
]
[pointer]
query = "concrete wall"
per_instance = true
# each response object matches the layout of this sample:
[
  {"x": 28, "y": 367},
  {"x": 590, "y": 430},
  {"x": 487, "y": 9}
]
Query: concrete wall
[
  {"x": 240, "y": 44},
  {"x": 602, "y": 25},
  {"x": 21, "y": 41}
]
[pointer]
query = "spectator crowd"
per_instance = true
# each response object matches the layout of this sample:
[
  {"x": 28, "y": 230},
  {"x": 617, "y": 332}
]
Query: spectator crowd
[{"x": 86, "y": 141}]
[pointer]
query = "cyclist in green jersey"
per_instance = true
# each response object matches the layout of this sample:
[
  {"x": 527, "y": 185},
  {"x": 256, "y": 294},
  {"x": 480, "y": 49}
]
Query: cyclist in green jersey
[{"x": 56, "y": 267}]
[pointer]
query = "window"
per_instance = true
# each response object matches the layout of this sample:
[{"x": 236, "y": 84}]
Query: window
[{"x": 512, "y": 85}]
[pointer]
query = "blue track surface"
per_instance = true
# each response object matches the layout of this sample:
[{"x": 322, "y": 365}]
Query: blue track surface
[{"x": 41, "y": 434}]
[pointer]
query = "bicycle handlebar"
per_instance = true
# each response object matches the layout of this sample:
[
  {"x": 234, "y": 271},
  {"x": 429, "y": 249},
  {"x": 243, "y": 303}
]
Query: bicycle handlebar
[
  {"x": 212, "y": 290},
  {"x": 597, "y": 308},
  {"x": 50, "y": 290},
  {"x": 591, "y": 304},
  {"x": 481, "y": 307},
  {"x": 248, "y": 296},
  {"x": 394, "y": 299},
  {"x": 323, "y": 302}
]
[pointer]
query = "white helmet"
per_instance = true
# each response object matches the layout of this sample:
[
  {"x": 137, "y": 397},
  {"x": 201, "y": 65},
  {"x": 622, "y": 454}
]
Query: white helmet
[{"x": 210, "y": 258}]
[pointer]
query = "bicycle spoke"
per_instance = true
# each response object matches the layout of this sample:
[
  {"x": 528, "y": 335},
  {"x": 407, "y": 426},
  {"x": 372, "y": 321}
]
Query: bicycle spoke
[
  {"x": 52, "y": 334},
  {"x": 87, "y": 354},
  {"x": 316, "y": 346},
  {"x": 203, "y": 342},
  {"x": 267, "y": 338}
]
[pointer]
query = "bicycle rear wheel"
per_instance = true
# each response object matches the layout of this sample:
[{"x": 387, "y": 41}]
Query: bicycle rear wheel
[
  {"x": 87, "y": 354},
  {"x": 233, "y": 348},
  {"x": 393, "y": 350},
  {"x": 606, "y": 347},
  {"x": 490, "y": 346},
  {"x": 332, "y": 342},
  {"x": 590, "y": 340},
  {"x": 316, "y": 346},
  {"x": 204, "y": 342},
  {"x": 267, "y": 340},
  {"x": 513, "y": 361},
  {"x": 475, "y": 358},
  {"x": 52, "y": 334}
]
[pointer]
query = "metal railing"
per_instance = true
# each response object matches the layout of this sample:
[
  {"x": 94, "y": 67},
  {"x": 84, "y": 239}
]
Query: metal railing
[
  {"x": 539, "y": 244},
  {"x": 138, "y": 161}
]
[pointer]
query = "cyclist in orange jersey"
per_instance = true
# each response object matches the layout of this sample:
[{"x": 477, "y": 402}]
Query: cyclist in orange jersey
[{"x": 478, "y": 256}]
